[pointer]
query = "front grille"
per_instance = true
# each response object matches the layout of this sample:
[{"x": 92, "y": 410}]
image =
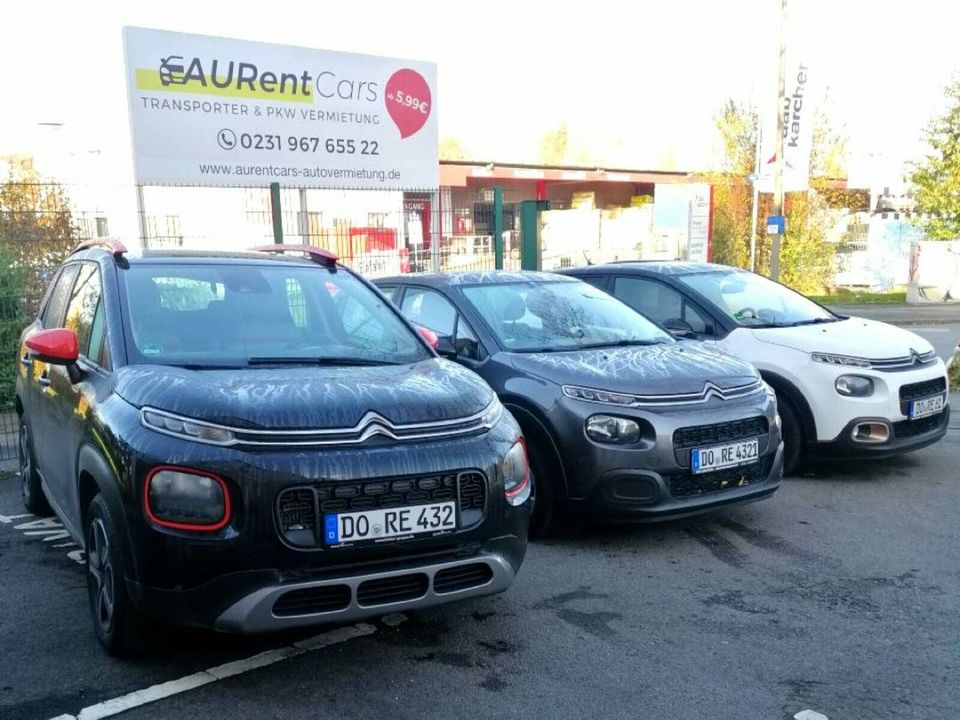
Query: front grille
[
  {"x": 298, "y": 508},
  {"x": 392, "y": 589},
  {"x": 688, "y": 484},
  {"x": 461, "y": 578},
  {"x": 701, "y": 435},
  {"x": 312, "y": 600},
  {"x": 912, "y": 428},
  {"x": 920, "y": 390}
]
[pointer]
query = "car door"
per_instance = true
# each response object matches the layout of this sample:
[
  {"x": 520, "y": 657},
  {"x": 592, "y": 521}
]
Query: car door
[
  {"x": 37, "y": 398},
  {"x": 665, "y": 305},
  {"x": 435, "y": 311},
  {"x": 72, "y": 402}
]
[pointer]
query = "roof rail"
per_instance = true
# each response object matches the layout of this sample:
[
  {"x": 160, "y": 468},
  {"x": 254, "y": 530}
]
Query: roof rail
[
  {"x": 319, "y": 255},
  {"x": 115, "y": 247}
]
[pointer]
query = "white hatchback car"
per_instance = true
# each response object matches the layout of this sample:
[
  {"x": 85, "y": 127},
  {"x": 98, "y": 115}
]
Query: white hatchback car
[{"x": 846, "y": 386}]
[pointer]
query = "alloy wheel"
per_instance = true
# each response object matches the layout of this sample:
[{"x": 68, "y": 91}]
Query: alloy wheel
[{"x": 102, "y": 587}]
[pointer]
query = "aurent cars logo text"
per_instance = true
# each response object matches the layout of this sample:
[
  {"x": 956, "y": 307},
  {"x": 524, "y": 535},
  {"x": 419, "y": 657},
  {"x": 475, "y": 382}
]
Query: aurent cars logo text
[{"x": 234, "y": 78}]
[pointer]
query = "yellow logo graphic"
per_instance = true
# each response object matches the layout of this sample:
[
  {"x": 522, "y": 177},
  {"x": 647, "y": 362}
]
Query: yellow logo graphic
[{"x": 229, "y": 79}]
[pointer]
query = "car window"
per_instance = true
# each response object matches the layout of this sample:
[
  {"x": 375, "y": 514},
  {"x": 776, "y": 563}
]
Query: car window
[
  {"x": 752, "y": 300},
  {"x": 236, "y": 314},
  {"x": 57, "y": 302},
  {"x": 559, "y": 315},
  {"x": 659, "y": 302},
  {"x": 466, "y": 342},
  {"x": 390, "y": 291},
  {"x": 95, "y": 350},
  {"x": 82, "y": 308},
  {"x": 430, "y": 309}
]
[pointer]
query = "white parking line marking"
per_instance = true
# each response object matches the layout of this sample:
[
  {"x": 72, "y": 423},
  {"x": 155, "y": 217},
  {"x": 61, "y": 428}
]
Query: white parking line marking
[
  {"x": 810, "y": 715},
  {"x": 6, "y": 519},
  {"x": 135, "y": 699}
]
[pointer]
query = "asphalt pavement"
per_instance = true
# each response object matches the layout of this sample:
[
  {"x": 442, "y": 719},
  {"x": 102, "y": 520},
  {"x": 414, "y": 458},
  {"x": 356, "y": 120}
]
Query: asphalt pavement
[{"x": 838, "y": 595}]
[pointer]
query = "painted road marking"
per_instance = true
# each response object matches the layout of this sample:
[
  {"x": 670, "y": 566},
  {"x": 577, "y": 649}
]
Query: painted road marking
[
  {"x": 45, "y": 529},
  {"x": 810, "y": 715},
  {"x": 135, "y": 699}
]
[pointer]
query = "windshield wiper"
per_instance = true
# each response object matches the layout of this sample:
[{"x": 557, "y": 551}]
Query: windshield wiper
[
  {"x": 327, "y": 361},
  {"x": 623, "y": 343},
  {"x": 814, "y": 321}
]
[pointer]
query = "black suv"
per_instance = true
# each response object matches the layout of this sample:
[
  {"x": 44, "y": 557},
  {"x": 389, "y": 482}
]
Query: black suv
[{"x": 250, "y": 442}]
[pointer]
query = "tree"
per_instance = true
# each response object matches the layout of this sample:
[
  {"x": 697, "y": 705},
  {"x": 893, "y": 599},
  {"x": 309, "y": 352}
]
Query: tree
[
  {"x": 37, "y": 228},
  {"x": 936, "y": 178},
  {"x": 554, "y": 146},
  {"x": 451, "y": 149},
  {"x": 807, "y": 258}
]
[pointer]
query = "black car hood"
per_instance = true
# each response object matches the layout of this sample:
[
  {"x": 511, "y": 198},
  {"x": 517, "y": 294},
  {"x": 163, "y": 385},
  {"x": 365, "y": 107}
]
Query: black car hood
[
  {"x": 681, "y": 367},
  {"x": 308, "y": 397}
]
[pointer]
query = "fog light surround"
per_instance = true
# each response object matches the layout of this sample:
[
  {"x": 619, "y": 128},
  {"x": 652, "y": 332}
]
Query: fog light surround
[
  {"x": 612, "y": 429},
  {"x": 186, "y": 499},
  {"x": 871, "y": 432},
  {"x": 854, "y": 386}
]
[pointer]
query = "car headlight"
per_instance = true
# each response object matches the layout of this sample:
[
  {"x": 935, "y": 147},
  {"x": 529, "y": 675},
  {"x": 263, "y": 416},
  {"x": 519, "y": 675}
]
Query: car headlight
[
  {"x": 854, "y": 385},
  {"x": 186, "y": 428},
  {"x": 611, "y": 429},
  {"x": 839, "y": 360},
  {"x": 600, "y": 396},
  {"x": 515, "y": 472},
  {"x": 186, "y": 499},
  {"x": 492, "y": 413}
]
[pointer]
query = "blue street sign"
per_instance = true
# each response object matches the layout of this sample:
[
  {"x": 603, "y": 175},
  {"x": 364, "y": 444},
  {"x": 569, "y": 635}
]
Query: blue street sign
[{"x": 776, "y": 224}]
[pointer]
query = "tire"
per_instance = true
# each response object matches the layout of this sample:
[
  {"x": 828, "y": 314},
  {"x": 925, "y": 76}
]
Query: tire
[
  {"x": 33, "y": 498},
  {"x": 119, "y": 627},
  {"x": 546, "y": 511},
  {"x": 792, "y": 435}
]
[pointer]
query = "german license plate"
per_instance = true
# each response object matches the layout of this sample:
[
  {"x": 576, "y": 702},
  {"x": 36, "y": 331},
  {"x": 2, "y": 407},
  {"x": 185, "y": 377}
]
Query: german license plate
[
  {"x": 717, "y": 457},
  {"x": 927, "y": 407},
  {"x": 389, "y": 524}
]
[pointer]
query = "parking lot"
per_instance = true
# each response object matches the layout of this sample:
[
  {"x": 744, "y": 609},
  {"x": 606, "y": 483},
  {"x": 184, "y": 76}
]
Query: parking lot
[{"x": 838, "y": 595}]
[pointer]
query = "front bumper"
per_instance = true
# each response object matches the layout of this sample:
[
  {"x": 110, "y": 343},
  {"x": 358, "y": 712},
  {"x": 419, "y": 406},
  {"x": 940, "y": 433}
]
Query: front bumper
[
  {"x": 247, "y": 602},
  {"x": 652, "y": 479},
  {"x": 905, "y": 436},
  {"x": 257, "y": 612},
  {"x": 608, "y": 504}
]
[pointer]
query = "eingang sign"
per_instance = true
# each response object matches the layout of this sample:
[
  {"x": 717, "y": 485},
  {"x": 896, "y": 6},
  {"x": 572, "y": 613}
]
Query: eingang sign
[{"x": 215, "y": 111}]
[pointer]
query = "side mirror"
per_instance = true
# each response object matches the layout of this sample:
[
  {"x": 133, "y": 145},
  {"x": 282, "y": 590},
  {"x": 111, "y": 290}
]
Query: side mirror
[
  {"x": 445, "y": 346},
  {"x": 57, "y": 347},
  {"x": 429, "y": 335},
  {"x": 679, "y": 328}
]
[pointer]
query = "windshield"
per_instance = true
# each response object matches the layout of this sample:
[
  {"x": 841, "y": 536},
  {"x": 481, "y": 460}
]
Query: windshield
[
  {"x": 551, "y": 316},
  {"x": 754, "y": 301},
  {"x": 239, "y": 315}
]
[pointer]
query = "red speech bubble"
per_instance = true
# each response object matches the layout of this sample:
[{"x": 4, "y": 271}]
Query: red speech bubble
[{"x": 408, "y": 101}]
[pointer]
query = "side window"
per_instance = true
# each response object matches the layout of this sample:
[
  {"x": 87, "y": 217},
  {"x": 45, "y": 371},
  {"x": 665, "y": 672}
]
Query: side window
[
  {"x": 53, "y": 312},
  {"x": 390, "y": 292},
  {"x": 660, "y": 303},
  {"x": 84, "y": 309},
  {"x": 466, "y": 342},
  {"x": 430, "y": 309}
]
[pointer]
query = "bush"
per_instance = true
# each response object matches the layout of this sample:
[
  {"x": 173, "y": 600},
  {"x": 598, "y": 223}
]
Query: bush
[
  {"x": 13, "y": 318},
  {"x": 954, "y": 374}
]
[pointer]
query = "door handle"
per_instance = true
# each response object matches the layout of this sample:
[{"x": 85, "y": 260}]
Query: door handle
[{"x": 26, "y": 360}]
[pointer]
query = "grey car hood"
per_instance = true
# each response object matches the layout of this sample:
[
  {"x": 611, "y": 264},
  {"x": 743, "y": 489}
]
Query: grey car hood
[{"x": 682, "y": 367}]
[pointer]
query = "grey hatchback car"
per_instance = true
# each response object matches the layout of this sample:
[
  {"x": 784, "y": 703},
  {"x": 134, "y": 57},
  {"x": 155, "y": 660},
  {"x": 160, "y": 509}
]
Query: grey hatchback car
[{"x": 623, "y": 423}]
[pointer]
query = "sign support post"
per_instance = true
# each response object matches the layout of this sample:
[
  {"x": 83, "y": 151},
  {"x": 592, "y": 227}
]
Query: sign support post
[
  {"x": 276, "y": 213},
  {"x": 498, "y": 227}
]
